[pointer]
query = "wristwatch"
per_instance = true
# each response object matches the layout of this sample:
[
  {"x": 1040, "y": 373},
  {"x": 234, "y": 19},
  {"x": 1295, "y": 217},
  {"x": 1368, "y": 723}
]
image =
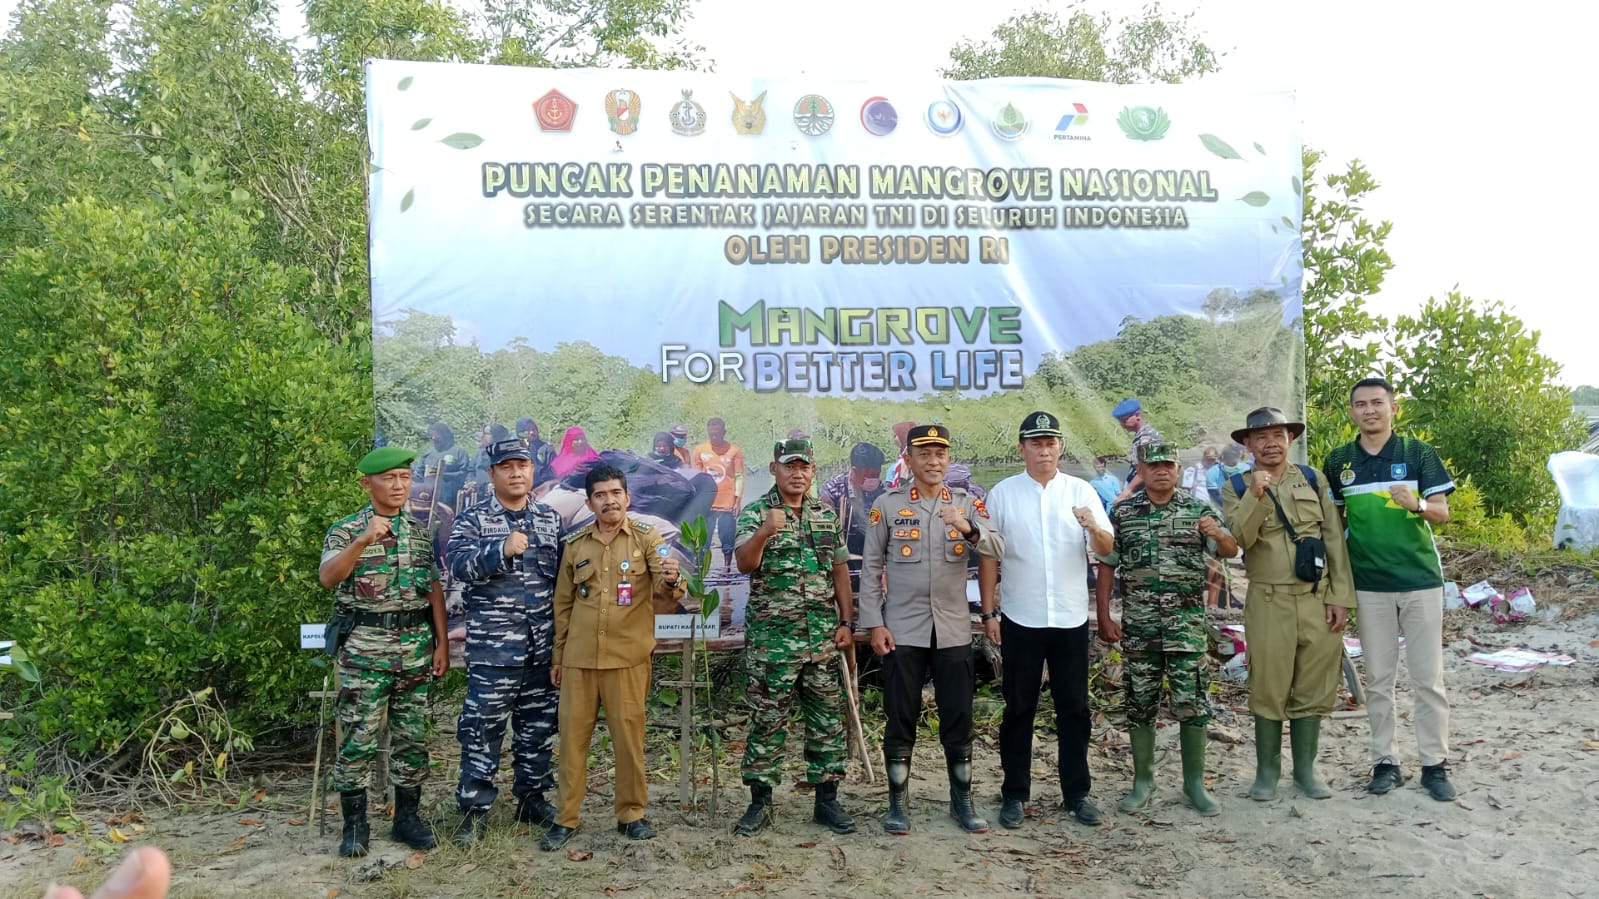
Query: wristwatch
[
  {"x": 989, "y": 616},
  {"x": 847, "y": 623},
  {"x": 1421, "y": 505}
]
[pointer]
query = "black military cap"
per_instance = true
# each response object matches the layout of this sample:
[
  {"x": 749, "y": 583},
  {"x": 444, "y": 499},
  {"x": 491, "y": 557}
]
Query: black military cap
[
  {"x": 1040, "y": 424},
  {"x": 928, "y": 435},
  {"x": 510, "y": 448}
]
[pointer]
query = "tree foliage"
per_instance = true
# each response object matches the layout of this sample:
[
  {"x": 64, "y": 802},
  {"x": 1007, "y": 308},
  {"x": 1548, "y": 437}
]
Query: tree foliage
[
  {"x": 1477, "y": 386},
  {"x": 1345, "y": 264},
  {"x": 1586, "y": 395},
  {"x": 1147, "y": 47},
  {"x": 183, "y": 265}
]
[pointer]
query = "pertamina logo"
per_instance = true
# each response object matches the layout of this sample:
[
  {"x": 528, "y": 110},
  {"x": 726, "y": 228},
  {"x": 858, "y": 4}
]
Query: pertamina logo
[{"x": 1072, "y": 124}]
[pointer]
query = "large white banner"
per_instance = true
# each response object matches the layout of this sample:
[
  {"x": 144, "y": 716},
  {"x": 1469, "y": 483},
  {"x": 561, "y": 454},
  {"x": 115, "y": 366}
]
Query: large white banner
[{"x": 618, "y": 251}]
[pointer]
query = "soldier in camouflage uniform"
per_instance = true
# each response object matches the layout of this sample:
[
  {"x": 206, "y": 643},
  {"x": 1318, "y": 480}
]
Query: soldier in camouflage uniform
[
  {"x": 1163, "y": 534},
  {"x": 390, "y": 611},
  {"x": 506, "y": 550},
  {"x": 798, "y": 618},
  {"x": 446, "y": 465}
]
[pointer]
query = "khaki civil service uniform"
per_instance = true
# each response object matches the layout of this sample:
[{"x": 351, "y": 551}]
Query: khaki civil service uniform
[
  {"x": 604, "y": 652},
  {"x": 1294, "y": 660}
]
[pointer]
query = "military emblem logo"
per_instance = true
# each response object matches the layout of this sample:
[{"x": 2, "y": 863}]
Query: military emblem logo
[
  {"x": 748, "y": 116},
  {"x": 960, "y": 549},
  {"x": 944, "y": 118},
  {"x": 1044, "y": 421},
  {"x": 688, "y": 117},
  {"x": 813, "y": 115},
  {"x": 906, "y": 550},
  {"x": 878, "y": 116},
  {"x": 980, "y": 508},
  {"x": 1397, "y": 472},
  {"x": 1143, "y": 122},
  {"x": 1010, "y": 123},
  {"x": 904, "y": 512},
  {"x": 555, "y": 111},
  {"x": 622, "y": 109},
  {"x": 875, "y": 518}
]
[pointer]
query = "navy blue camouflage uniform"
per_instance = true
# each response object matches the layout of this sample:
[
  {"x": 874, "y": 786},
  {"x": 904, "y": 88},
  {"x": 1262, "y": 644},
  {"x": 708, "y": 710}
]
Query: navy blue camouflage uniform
[{"x": 510, "y": 634}]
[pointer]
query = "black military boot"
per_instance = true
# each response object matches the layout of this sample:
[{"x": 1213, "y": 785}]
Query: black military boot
[
  {"x": 535, "y": 809},
  {"x": 828, "y": 812},
  {"x": 408, "y": 827},
  {"x": 759, "y": 814},
  {"x": 960, "y": 794},
  {"x": 470, "y": 831},
  {"x": 357, "y": 833},
  {"x": 898, "y": 820}
]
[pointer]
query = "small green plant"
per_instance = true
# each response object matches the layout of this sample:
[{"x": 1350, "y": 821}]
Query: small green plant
[{"x": 696, "y": 539}]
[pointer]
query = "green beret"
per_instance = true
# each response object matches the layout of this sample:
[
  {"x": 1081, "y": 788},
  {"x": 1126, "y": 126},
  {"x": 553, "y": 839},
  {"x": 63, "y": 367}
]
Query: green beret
[{"x": 384, "y": 459}]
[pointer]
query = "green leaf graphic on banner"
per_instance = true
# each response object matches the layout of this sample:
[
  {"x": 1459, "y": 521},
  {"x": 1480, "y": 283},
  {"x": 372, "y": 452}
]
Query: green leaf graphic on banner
[
  {"x": 1255, "y": 198},
  {"x": 1218, "y": 146},
  {"x": 420, "y": 124},
  {"x": 405, "y": 83},
  {"x": 1299, "y": 189},
  {"x": 408, "y": 199},
  {"x": 1289, "y": 224},
  {"x": 461, "y": 140},
  {"x": 1259, "y": 149}
]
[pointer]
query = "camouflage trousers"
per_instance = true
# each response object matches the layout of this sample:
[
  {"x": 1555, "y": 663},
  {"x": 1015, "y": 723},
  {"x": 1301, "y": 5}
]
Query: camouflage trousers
[
  {"x": 1186, "y": 675},
  {"x": 526, "y": 699},
  {"x": 366, "y": 699},
  {"x": 776, "y": 684}
]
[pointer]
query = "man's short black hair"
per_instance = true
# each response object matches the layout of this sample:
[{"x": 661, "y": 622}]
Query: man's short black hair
[
  {"x": 1372, "y": 382},
  {"x": 600, "y": 474}
]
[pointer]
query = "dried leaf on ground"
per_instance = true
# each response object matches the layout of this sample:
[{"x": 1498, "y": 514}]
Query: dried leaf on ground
[
  {"x": 579, "y": 855},
  {"x": 415, "y": 859}
]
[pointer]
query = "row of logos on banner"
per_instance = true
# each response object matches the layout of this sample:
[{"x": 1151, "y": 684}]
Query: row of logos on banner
[{"x": 815, "y": 115}]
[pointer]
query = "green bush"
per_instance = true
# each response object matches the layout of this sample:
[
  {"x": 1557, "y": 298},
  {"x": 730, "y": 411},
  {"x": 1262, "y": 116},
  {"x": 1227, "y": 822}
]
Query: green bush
[{"x": 179, "y": 437}]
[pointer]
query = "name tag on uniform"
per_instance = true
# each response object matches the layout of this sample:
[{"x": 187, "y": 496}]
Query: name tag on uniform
[
  {"x": 373, "y": 550},
  {"x": 496, "y": 527},
  {"x": 546, "y": 529}
]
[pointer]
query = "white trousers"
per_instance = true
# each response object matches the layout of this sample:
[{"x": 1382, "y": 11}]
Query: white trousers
[{"x": 1419, "y": 615}]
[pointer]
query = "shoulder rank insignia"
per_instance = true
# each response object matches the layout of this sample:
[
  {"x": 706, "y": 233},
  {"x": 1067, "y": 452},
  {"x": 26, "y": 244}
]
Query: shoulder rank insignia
[{"x": 980, "y": 508}]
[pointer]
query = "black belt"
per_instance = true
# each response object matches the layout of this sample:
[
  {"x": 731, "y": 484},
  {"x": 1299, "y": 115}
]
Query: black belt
[{"x": 393, "y": 620}]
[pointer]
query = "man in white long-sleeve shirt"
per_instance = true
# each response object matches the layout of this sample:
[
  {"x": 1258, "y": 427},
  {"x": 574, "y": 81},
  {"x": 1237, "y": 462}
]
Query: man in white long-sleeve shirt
[{"x": 1049, "y": 521}]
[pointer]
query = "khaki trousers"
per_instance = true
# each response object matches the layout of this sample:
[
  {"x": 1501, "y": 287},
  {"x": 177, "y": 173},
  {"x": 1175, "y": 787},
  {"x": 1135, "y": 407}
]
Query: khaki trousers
[
  {"x": 621, "y": 691},
  {"x": 1294, "y": 660},
  {"x": 1419, "y": 615}
]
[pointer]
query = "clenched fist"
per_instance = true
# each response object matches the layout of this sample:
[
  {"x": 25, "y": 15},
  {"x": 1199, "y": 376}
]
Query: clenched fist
[
  {"x": 515, "y": 544},
  {"x": 775, "y": 519},
  {"x": 1403, "y": 498},
  {"x": 1258, "y": 482},
  {"x": 955, "y": 517},
  {"x": 376, "y": 529},
  {"x": 1210, "y": 527},
  {"x": 1084, "y": 516}
]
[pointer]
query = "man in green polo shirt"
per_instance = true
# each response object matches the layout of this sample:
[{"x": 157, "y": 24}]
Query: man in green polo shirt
[{"x": 1392, "y": 489}]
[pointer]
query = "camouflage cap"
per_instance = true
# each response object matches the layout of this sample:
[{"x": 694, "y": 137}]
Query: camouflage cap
[
  {"x": 792, "y": 449},
  {"x": 383, "y": 459},
  {"x": 1159, "y": 451}
]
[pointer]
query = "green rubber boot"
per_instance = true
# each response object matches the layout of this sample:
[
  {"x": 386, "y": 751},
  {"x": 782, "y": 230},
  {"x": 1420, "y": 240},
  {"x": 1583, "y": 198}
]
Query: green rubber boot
[
  {"x": 1304, "y": 736},
  {"x": 1193, "y": 736},
  {"x": 1143, "y": 740},
  {"x": 1268, "y": 759}
]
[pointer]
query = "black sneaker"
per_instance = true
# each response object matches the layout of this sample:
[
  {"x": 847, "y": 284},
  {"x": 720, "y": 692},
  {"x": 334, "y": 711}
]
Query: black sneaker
[
  {"x": 637, "y": 830},
  {"x": 1083, "y": 810},
  {"x": 1011, "y": 812},
  {"x": 1384, "y": 778},
  {"x": 1435, "y": 779}
]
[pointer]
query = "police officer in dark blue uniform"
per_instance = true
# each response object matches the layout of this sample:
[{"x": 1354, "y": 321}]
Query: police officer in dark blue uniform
[{"x": 506, "y": 550}]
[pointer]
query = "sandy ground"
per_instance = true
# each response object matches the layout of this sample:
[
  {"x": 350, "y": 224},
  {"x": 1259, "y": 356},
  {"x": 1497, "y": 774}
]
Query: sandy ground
[{"x": 1526, "y": 761}]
